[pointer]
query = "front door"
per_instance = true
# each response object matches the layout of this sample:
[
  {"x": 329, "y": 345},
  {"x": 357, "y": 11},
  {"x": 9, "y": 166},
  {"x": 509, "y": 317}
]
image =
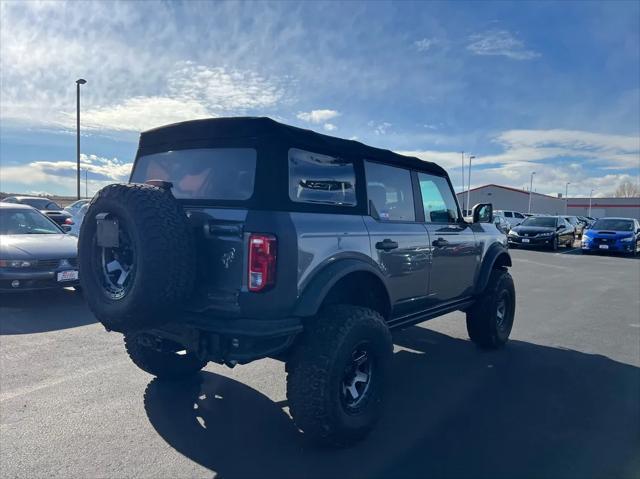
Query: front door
[
  {"x": 399, "y": 244},
  {"x": 455, "y": 252}
]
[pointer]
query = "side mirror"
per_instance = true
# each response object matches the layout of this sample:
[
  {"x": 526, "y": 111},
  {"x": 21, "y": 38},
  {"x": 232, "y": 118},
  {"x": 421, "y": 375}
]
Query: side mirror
[
  {"x": 66, "y": 228},
  {"x": 482, "y": 213},
  {"x": 560, "y": 227}
]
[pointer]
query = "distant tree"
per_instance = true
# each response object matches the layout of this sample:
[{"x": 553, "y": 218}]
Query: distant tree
[{"x": 626, "y": 189}]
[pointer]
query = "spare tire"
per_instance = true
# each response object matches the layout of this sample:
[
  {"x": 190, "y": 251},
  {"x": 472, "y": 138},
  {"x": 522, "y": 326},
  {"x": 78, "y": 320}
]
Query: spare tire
[{"x": 136, "y": 256}]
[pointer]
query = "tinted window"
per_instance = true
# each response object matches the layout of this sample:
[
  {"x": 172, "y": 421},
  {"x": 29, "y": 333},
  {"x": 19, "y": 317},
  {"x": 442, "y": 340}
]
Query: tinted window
[
  {"x": 390, "y": 191},
  {"x": 212, "y": 173},
  {"x": 315, "y": 178},
  {"x": 22, "y": 222},
  {"x": 542, "y": 221},
  {"x": 613, "y": 225},
  {"x": 518, "y": 215},
  {"x": 508, "y": 214},
  {"x": 40, "y": 203},
  {"x": 437, "y": 199}
]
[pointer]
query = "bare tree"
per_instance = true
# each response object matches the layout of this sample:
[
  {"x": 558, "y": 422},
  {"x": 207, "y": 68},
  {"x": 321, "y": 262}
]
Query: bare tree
[{"x": 626, "y": 189}]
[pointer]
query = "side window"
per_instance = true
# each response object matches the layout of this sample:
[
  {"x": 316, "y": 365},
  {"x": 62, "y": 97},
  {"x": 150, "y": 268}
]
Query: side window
[
  {"x": 508, "y": 214},
  {"x": 315, "y": 178},
  {"x": 437, "y": 198},
  {"x": 518, "y": 215},
  {"x": 389, "y": 189}
]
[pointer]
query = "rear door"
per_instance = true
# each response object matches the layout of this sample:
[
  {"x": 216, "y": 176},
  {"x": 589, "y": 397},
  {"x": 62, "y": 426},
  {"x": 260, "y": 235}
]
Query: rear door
[
  {"x": 213, "y": 184},
  {"x": 399, "y": 244},
  {"x": 454, "y": 249}
]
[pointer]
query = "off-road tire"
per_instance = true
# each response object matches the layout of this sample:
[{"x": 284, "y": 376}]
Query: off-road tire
[
  {"x": 165, "y": 257},
  {"x": 163, "y": 365},
  {"x": 482, "y": 318},
  {"x": 316, "y": 369}
]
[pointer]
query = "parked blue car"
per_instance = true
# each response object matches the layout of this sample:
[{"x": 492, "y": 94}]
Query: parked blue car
[{"x": 612, "y": 234}]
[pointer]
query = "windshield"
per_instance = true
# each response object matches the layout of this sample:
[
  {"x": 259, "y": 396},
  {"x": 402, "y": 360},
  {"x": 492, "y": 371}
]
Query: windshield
[
  {"x": 544, "y": 222},
  {"x": 216, "y": 174},
  {"x": 613, "y": 224},
  {"x": 40, "y": 203},
  {"x": 24, "y": 222}
]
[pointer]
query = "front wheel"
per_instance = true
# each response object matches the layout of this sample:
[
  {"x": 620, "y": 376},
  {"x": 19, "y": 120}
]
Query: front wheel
[
  {"x": 554, "y": 245},
  {"x": 490, "y": 320},
  {"x": 337, "y": 374},
  {"x": 164, "y": 359}
]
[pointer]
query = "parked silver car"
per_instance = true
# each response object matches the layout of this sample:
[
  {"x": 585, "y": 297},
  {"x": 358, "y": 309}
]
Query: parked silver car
[{"x": 35, "y": 253}]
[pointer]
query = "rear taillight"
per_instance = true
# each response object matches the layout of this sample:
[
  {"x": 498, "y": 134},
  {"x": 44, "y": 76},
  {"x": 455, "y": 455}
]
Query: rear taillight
[{"x": 262, "y": 261}]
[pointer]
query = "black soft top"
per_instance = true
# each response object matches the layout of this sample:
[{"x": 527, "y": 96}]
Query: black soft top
[{"x": 179, "y": 135}]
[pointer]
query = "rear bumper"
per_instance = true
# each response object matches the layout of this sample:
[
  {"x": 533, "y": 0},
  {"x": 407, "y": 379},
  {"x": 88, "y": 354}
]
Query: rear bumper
[
  {"x": 232, "y": 341},
  {"x": 31, "y": 280}
]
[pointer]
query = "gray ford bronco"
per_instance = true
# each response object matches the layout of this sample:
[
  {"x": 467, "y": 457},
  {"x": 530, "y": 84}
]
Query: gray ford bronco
[{"x": 243, "y": 238}]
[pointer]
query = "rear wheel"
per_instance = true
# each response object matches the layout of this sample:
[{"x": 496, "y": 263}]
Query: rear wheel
[
  {"x": 164, "y": 359},
  {"x": 490, "y": 320},
  {"x": 337, "y": 373}
]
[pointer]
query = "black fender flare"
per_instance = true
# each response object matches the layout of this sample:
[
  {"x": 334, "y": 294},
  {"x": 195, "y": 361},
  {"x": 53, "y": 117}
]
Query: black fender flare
[
  {"x": 316, "y": 290},
  {"x": 496, "y": 254}
]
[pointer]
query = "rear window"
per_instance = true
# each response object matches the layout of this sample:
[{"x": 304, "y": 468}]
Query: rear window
[
  {"x": 316, "y": 178},
  {"x": 205, "y": 173}
]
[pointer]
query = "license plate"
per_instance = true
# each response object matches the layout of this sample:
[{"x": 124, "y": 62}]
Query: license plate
[
  {"x": 525, "y": 240},
  {"x": 604, "y": 246},
  {"x": 70, "y": 275}
]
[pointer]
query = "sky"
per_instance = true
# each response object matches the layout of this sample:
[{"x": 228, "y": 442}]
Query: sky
[{"x": 525, "y": 86}]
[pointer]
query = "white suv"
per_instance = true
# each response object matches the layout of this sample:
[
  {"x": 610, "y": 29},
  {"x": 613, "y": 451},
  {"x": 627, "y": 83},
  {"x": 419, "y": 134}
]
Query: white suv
[{"x": 514, "y": 218}]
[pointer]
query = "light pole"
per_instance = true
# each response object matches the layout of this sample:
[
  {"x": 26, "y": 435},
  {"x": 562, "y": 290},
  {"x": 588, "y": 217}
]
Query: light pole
[
  {"x": 462, "y": 154},
  {"x": 80, "y": 81},
  {"x": 590, "y": 195},
  {"x": 469, "y": 182},
  {"x": 530, "y": 189},
  {"x": 86, "y": 181},
  {"x": 566, "y": 197}
]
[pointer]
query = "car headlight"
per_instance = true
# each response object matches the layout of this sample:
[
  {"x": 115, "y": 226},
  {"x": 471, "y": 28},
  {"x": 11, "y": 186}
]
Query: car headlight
[
  {"x": 15, "y": 263},
  {"x": 627, "y": 240},
  {"x": 546, "y": 234},
  {"x": 513, "y": 233}
]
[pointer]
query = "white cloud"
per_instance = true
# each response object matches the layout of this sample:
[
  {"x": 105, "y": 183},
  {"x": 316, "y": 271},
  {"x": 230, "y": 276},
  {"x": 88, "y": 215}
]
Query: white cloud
[
  {"x": 330, "y": 127},
  {"x": 604, "y": 150},
  {"x": 143, "y": 113},
  {"x": 62, "y": 174},
  {"x": 585, "y": 159},
  {"x": 380, "y": 128},
  {"x": 317, "y": 116},
  {"x": 424, "y": 44},
  {"x": 500, "y": 43}
]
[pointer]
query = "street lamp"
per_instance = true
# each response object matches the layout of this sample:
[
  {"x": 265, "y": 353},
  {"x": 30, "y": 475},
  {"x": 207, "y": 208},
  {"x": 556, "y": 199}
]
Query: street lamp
[
  {"x": 80, "y": 81},
  {"x": 590, "y": 196},
  {"x": 469, "y": 182},
  {"x": 566, "y": 196},
  {"x": 462, "y": 154},
  {"x": 531, "y": 189}
]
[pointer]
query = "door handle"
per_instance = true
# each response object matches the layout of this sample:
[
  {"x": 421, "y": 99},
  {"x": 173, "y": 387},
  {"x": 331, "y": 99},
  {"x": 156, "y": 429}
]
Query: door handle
[
  {"x": 386, "y": 245},
  {"x": 440, "y": 242}
]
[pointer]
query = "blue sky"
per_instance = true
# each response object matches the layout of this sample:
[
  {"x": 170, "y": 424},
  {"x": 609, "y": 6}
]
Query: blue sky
[{"x": 524, "y": 86}]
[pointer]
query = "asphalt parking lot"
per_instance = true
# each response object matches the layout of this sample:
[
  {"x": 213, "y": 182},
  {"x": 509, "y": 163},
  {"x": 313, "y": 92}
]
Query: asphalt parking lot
[{"x": 562, "y": 400}]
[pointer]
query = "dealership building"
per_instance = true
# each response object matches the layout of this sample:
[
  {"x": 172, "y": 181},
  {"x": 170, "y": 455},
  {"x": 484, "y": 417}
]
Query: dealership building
[{"x": 507, "y": 198}]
